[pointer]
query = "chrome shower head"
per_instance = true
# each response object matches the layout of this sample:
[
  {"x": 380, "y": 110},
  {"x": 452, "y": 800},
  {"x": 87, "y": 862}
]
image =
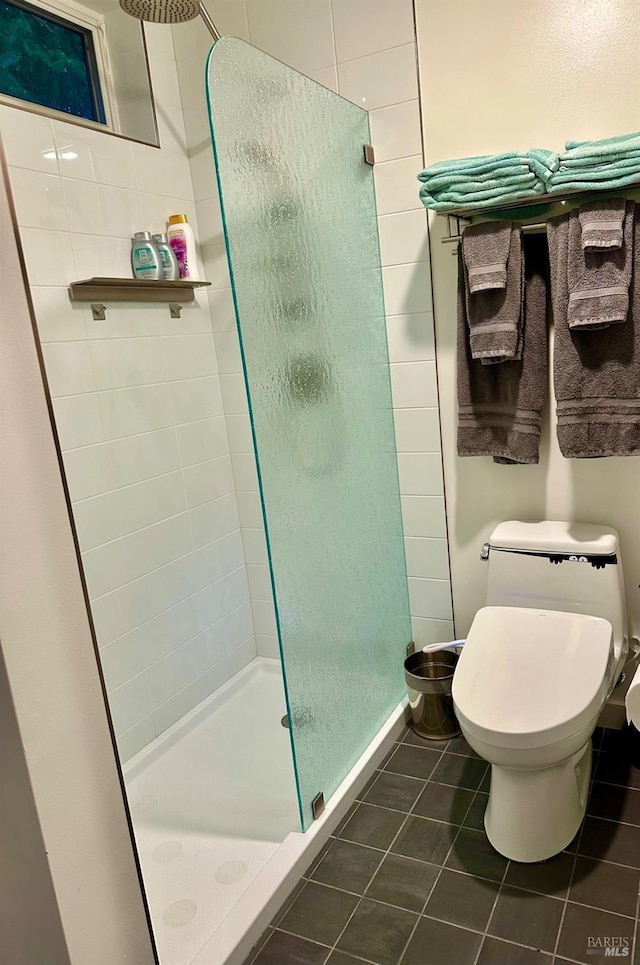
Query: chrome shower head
[
  {"x": 162, "y": 11},
  {"x": 169, "y": 11}
]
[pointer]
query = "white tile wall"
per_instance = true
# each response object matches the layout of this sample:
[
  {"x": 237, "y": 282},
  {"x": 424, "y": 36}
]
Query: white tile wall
[
  {"x": 152, "y": 414},
  {"x": 139, "y": 412},
  {"x": 365, "y": 50}
]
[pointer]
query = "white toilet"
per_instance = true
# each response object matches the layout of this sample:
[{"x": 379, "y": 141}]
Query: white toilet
[{"x": 539, "y": 662}]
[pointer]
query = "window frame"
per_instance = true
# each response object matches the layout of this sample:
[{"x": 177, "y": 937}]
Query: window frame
[{"x": 76, "y": 15}]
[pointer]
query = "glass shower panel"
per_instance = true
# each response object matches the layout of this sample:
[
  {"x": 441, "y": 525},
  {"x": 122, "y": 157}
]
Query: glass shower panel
[{"x": 300, "y": 223}]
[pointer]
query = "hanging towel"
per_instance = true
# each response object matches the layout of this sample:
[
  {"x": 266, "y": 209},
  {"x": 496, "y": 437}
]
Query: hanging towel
[
  {"x": 601, "y": 223},
  {"x": 598, "y": 280},
  {"x": 596, "y": 375},
  {"x": 486, "y": 250},
  {"x": 494, "y": 316},
  {"x": 500, "y": 406}
]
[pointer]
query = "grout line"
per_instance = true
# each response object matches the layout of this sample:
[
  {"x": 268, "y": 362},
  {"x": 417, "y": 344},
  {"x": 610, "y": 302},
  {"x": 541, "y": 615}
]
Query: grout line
[
  {"x": 571, "y": 878},
  {"x": 386, "y": 853},
  {"x": 439, "y": 875},
  {"x": 634, "y": 940}
]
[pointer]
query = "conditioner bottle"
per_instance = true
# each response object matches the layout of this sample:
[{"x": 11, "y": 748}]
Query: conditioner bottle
[{"x": 183, "y": 242}]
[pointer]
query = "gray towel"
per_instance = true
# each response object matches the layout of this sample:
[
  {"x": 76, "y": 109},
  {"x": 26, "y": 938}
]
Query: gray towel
[
  {"x": 601, "y": 223},
  {"x": 596, "y": 374},
  {"x": 598, "y": 280},
  {"x": 494, "y": 315},
  {"x": 500, "y": 406},
  {"x": 486, "y": 251}
]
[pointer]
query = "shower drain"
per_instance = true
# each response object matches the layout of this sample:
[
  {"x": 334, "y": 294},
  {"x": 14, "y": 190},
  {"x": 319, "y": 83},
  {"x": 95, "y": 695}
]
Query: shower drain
[{"x": 285, "y": 721}]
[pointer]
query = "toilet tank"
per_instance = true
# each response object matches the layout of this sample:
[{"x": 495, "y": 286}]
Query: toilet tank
[{"x": 555, "y": 565}]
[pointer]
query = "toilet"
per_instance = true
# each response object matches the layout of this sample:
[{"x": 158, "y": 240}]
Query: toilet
[{"x": 539, "y": 662}]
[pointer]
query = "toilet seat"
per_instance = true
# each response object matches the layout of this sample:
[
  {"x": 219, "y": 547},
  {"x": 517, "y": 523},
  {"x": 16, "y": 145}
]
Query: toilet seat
[{"x": 529, "y": 677}]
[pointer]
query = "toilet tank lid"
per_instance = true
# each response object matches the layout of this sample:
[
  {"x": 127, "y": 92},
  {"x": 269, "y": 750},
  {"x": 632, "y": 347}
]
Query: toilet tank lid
[{"x": 555, "y": 536}]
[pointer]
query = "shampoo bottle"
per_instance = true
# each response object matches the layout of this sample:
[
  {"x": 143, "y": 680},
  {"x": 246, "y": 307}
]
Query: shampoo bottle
[
  {"x": 168, "y": 260},
  {"x": 145, "y": 260},
  {"x": 183, "y": 242}
]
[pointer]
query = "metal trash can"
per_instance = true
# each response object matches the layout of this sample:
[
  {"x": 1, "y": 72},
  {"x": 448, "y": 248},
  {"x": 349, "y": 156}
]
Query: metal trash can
[{"x": 429, "y": 677}]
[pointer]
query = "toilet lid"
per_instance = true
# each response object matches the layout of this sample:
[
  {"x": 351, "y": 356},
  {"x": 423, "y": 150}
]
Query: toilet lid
[{"x": 529, "y": 677}]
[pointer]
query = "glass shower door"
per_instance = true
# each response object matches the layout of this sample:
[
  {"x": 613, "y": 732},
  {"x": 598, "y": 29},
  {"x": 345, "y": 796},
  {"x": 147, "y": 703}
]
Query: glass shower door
[{"x": 300, "y": 224}]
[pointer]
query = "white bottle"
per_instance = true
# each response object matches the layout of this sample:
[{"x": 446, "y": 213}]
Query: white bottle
[
  {"x": 145, "y": 260},
  {"x": 182, "y": 240}
]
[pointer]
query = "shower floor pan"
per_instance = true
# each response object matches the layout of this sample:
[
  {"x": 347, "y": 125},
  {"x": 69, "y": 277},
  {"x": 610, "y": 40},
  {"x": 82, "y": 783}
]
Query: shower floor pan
[{"x": 215, "y": 816}]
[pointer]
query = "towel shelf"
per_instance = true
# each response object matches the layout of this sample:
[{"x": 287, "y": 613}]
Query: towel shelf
[{"x": 557, "y": 202}]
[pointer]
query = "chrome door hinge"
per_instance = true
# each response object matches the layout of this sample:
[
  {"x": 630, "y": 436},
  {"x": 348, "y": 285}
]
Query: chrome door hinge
[{"x": 369, "y": 154}]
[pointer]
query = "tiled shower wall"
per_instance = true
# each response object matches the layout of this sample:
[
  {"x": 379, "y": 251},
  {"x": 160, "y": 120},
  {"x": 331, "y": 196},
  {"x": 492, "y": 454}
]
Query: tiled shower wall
[
  {"x": 139, "y": 413},
  {"x": 366, "y": 51}
]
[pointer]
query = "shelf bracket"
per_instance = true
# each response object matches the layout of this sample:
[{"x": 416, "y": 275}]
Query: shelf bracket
[
  {"x": 175, "y": 309},
  {"x": 99, "y": 312}
]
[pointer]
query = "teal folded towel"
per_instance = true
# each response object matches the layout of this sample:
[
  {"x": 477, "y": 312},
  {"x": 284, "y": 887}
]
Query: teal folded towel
[
  {"x": 607, "y": 164},
  {"x": 620, "y": 143},
  {"x": 610, "y": 184},
  {"x": 468, "y": 201},
  {"x": 487, "y": 180}
]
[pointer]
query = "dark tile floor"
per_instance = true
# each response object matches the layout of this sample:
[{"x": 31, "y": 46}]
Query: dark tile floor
[{"x": 410, "y": 878}]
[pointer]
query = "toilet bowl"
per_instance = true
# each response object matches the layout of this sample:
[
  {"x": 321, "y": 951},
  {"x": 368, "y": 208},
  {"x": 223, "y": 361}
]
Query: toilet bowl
[{"x": 528, "y": 690}]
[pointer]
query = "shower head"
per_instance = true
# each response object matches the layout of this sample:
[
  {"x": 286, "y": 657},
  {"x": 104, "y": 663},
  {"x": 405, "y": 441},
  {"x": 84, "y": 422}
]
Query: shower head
[{"x": 169, "y": 11}]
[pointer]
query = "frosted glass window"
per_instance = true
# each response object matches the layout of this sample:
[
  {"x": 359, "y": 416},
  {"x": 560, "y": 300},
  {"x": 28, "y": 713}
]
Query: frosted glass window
[{"x": 300, "y": 221}]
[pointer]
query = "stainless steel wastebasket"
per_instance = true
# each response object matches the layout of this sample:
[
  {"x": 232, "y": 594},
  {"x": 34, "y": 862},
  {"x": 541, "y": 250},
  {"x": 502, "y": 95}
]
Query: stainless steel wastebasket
[{"x": 429, "y": 677}]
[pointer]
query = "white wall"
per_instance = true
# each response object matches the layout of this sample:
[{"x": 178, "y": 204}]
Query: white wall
[
  {"x": 498, "y": 76},
  {"x": 138, "y": 411},
  {"x": 82, "y": 841},
  {"x": 364, "y": 50}
]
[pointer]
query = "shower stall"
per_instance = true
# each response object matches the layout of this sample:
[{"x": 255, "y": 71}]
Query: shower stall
[{"x": 232, "y": 797}]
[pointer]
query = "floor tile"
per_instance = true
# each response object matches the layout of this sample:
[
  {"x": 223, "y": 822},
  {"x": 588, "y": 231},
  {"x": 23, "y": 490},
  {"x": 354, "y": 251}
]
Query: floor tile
[
  {"x": 583, "y": 927},
  {"x": 318, "y": 858},
  {"x": 615, "y": 803},
  {"x": 443, "y": 803},
  {"x": 460, "y": 771},
  {"x": 365, "y": 790},
  {"x": 475, "y": 815},
  {"x": 410, "y": 737},
  {"x": 319, "y": 913},
  {"x": 341, "y": 958},
  {"x": 352, "y": 810},
  {"x": 373, "y": 826},
  {"x": 283, "y": 949},
  {"x": 436, "y": 943},
  {"x": 619, "y": 843},
  {"x": 259, "y": 945},
  {"x": 462, "y": 900},
  {"x": 394, "y": 791},
  {"x": 413, "y": 761},
  {"x": 527, "y": 918},
  {"x": 286, "y": 905},
  {"x": 424, "y": 840},
  {"x": 473, "y": 854},
  {"x": 403, "y": 881},
  {"x": 620, "y": 742},
  {"x": 485, "y": 783},
  {"x": 460, "y": 745},
  {"x": 377, "y": 932},
  {"x": 550, "y": 877},
  {"x": 607, "y": 886},
  {"x": 614, "y": 770},
  {"x": 348, "y": 866},
  {"x": 496, "y": 952}
]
